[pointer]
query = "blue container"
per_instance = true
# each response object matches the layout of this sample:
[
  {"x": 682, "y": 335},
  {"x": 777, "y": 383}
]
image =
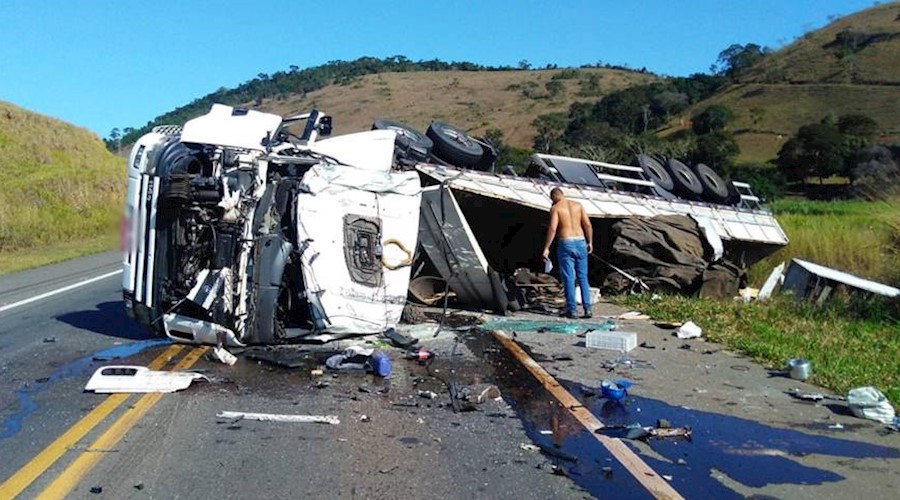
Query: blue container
[
  {"x": 614, "y": 391},
  {"x": 380, "y": 363}
]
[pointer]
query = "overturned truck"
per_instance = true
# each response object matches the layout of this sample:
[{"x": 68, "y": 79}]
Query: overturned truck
[{"x": 249, "y": 228}]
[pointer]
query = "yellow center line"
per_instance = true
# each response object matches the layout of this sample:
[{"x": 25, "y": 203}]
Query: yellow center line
[
  {"x": 49, "y": 455},
  {"x": 75, "y": 472}
]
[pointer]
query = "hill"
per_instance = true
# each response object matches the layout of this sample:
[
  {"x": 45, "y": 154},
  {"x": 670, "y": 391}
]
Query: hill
[
  {"x": 60, "y": 190},
  {"x": 472, "y": 100},
  {"x": 472, "y": 96},
  {"x": 848, "y": 66}
]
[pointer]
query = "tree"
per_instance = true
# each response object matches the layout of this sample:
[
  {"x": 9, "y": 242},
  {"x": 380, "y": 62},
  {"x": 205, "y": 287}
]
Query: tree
[
  {"x": 737, "y": 58},
  {"x": 817, "y": 150},
  {"x": 550, "y": 128},
  {"x": 712, "y": 119},
  {"x": 717, "y": 149},
  {"x": 857, "y": 125},
  {"x": 524, "y": 65}
]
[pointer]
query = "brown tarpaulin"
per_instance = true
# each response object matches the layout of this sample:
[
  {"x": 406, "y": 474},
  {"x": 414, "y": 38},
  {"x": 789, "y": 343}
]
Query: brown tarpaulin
[{"x": 668, "y": 253}]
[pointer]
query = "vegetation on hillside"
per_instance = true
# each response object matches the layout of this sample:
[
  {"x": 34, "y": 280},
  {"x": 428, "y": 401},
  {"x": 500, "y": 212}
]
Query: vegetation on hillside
[
  {"x": 61, "y": 190},
  {"x": 296, "y": 81}
]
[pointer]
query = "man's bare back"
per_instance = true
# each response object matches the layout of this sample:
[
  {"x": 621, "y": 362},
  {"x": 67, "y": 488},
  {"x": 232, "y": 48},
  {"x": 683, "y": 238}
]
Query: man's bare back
[{"x": 568, "y": 220}]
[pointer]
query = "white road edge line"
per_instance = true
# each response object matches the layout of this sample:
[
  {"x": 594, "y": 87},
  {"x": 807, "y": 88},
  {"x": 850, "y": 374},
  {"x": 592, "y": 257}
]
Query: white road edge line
[{"x": 58, "y": 291}]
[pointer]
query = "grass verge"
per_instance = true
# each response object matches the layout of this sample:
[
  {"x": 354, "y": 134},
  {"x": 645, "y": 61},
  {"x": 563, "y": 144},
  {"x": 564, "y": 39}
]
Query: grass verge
[
  {"x": 847, "y": 347},
  {"x": 18, "y": 260},
  {"x": 859, "y": 237}
]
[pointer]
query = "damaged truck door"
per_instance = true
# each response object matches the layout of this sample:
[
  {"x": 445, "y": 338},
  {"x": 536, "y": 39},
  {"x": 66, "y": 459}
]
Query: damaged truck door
[{"x": 242, "y": 232}]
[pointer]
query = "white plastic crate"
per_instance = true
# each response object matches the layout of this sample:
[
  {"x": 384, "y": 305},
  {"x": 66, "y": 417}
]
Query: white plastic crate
[{"x": 611, "y": 341}]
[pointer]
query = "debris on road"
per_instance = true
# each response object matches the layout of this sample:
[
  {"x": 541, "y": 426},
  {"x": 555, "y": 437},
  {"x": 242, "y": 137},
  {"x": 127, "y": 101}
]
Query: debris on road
[
  {"x": 139, "y": 379},
  {"x": 427, "y": 394},
  {"x": 529, "y": 447},
  {"x": 869, "y": 403},
  {"x": 222, "y": 355},
  {"x": 614, "y": 391},
  {"x": 274, "y": 417},
  {"x": 799, "y": 368},
  {"x": 611, "y": 341},
  {"x": 49, "y": 340},
  {"x": 689, "y": 330},
  {"x": 358, "y": 358}
]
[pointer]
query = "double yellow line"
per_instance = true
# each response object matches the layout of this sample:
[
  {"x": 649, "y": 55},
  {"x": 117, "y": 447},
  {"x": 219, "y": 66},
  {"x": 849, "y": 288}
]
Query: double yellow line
[{"x": 79, "y": 468}]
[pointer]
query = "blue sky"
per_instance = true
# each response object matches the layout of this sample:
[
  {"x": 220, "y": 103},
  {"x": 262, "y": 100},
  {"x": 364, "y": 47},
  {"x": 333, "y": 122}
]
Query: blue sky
[{"x": 103, "y": 64}]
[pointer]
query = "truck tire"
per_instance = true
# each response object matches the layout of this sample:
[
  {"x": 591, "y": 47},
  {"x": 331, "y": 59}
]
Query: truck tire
[
  {"x": 409, "y": 142},
  {"x": 715, "y": 189},
  {"x": 454, "y": 145},
  {"x": 655, "y": 171},
  {"x": 687, "y": 185}
]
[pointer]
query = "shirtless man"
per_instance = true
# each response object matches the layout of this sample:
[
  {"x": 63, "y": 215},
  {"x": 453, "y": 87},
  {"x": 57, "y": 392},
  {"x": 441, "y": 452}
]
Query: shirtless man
[{"x": 570, "y": 222}]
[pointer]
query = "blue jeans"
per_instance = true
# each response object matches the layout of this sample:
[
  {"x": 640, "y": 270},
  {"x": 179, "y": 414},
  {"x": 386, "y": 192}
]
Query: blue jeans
[{"x": 572, "y": 256}]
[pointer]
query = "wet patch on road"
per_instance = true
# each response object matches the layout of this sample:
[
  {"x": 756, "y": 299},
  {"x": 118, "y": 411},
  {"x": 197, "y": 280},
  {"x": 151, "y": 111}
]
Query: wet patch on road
[
  {"x": 750, "y": 453},
  {"x": 79, "y": 368}
]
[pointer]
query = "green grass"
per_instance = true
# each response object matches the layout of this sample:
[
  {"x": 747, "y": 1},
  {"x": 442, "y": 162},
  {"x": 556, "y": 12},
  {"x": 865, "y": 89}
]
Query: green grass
[
  {"x": 859, "y": 237},
  {"x": 61, "y": 191},
  {"x": 847, "y": 347}
]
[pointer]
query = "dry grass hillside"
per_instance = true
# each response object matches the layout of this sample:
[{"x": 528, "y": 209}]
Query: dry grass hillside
[
  {"x": 849, "y": 66},
  {"x": 60, "y": 190},
  {"x": 473, "y": 100}
]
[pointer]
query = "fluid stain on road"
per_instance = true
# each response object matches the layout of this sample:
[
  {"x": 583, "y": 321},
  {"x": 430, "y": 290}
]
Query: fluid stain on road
[
  {"x": 78, "y": 368},
  {"x": 748, "y": 452}
]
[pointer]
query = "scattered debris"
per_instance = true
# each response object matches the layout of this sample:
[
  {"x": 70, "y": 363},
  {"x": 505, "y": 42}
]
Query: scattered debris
[
  {"x": 422, "y": 355},
  {"x": 546, "y": 432},
  {"x": 836, "y": 426},
  {"x": 398, "y": 339},
  {"x": 614, "y": 391},
  {"x": 364, "y": 418},
  {"x": 388, "y": 471},
  {"x": 427, "y": 394},
  {"x": 807, "y": 396},
  {"x": 819, "y": 283},
  {"x": 274, "y": 417},
  {"x": 49, "y": 340},
  {"x": 776, "y": 277},
  {"x": 689, "y": 330},
  {"x": 647, "y": 345},
  {"x": 97, "y": 489},
  {"x": 222, "y": 355},
  {"x": 667, "y": 325},
  {"x": 139, "y": 379},
  {"x": 361, "y": 358},
  {"x": 869, "y": 403},
  {"x": 633, "y": 315},
  {"x": 318, "y": 372},
  {"x": 529, "y": 447},
  {"x": 611, "y": 341},
  {"x": 547, "y": 326},
  {"x": 479, "y": 393},
  {"x": 607, "y": 472},
  {"x": 799, "y": 368}
]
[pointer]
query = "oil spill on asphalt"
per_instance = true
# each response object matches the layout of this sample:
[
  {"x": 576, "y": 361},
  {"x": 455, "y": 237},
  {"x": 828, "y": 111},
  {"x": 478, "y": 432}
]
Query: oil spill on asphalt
[
  {"x": 80, "y": 367},
  {"x": 748, "y": 452}
]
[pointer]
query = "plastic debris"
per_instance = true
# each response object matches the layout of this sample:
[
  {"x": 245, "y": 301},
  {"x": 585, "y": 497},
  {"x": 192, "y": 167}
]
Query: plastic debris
[
  {"x": 274, "y": 417},
  {"x": 222, "y": 355},
  {"x": 869, "y": 403},
  {"x": 529, "y": 447},
  {"x": 428, "y": 394},
  {"x": 138, "y": 379},
  {"x": 361, "y": 358},
  {"x": 563, "y": 327},
  {"x": 799, "y": 369},
  {"x": 614, "y": 391},
  {"x": 689, "y": 330}
]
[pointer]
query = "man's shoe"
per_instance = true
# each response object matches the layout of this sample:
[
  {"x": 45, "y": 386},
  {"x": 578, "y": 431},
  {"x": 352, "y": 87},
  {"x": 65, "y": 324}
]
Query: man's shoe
[
  {"x": 570, "y": 315},
  {"x": 587, "y": 315}
]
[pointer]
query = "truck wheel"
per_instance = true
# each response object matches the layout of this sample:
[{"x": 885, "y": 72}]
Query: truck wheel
[
  {"x": 655, "y": 171},
  {"x": 715, "y": 189},
  {"x": 409, "y": 142},
  {"x": 454, "y": 145},
  {"x": 687, "y": 185}
]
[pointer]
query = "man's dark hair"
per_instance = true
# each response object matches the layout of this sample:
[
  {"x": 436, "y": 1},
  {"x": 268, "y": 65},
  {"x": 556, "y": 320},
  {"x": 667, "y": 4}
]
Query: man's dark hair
[{"x": 556, "y": 192}]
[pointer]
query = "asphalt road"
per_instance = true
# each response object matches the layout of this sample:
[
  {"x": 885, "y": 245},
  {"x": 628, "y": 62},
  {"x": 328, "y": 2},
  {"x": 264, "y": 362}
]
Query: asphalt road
[{"x": 389, "y": 443}]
